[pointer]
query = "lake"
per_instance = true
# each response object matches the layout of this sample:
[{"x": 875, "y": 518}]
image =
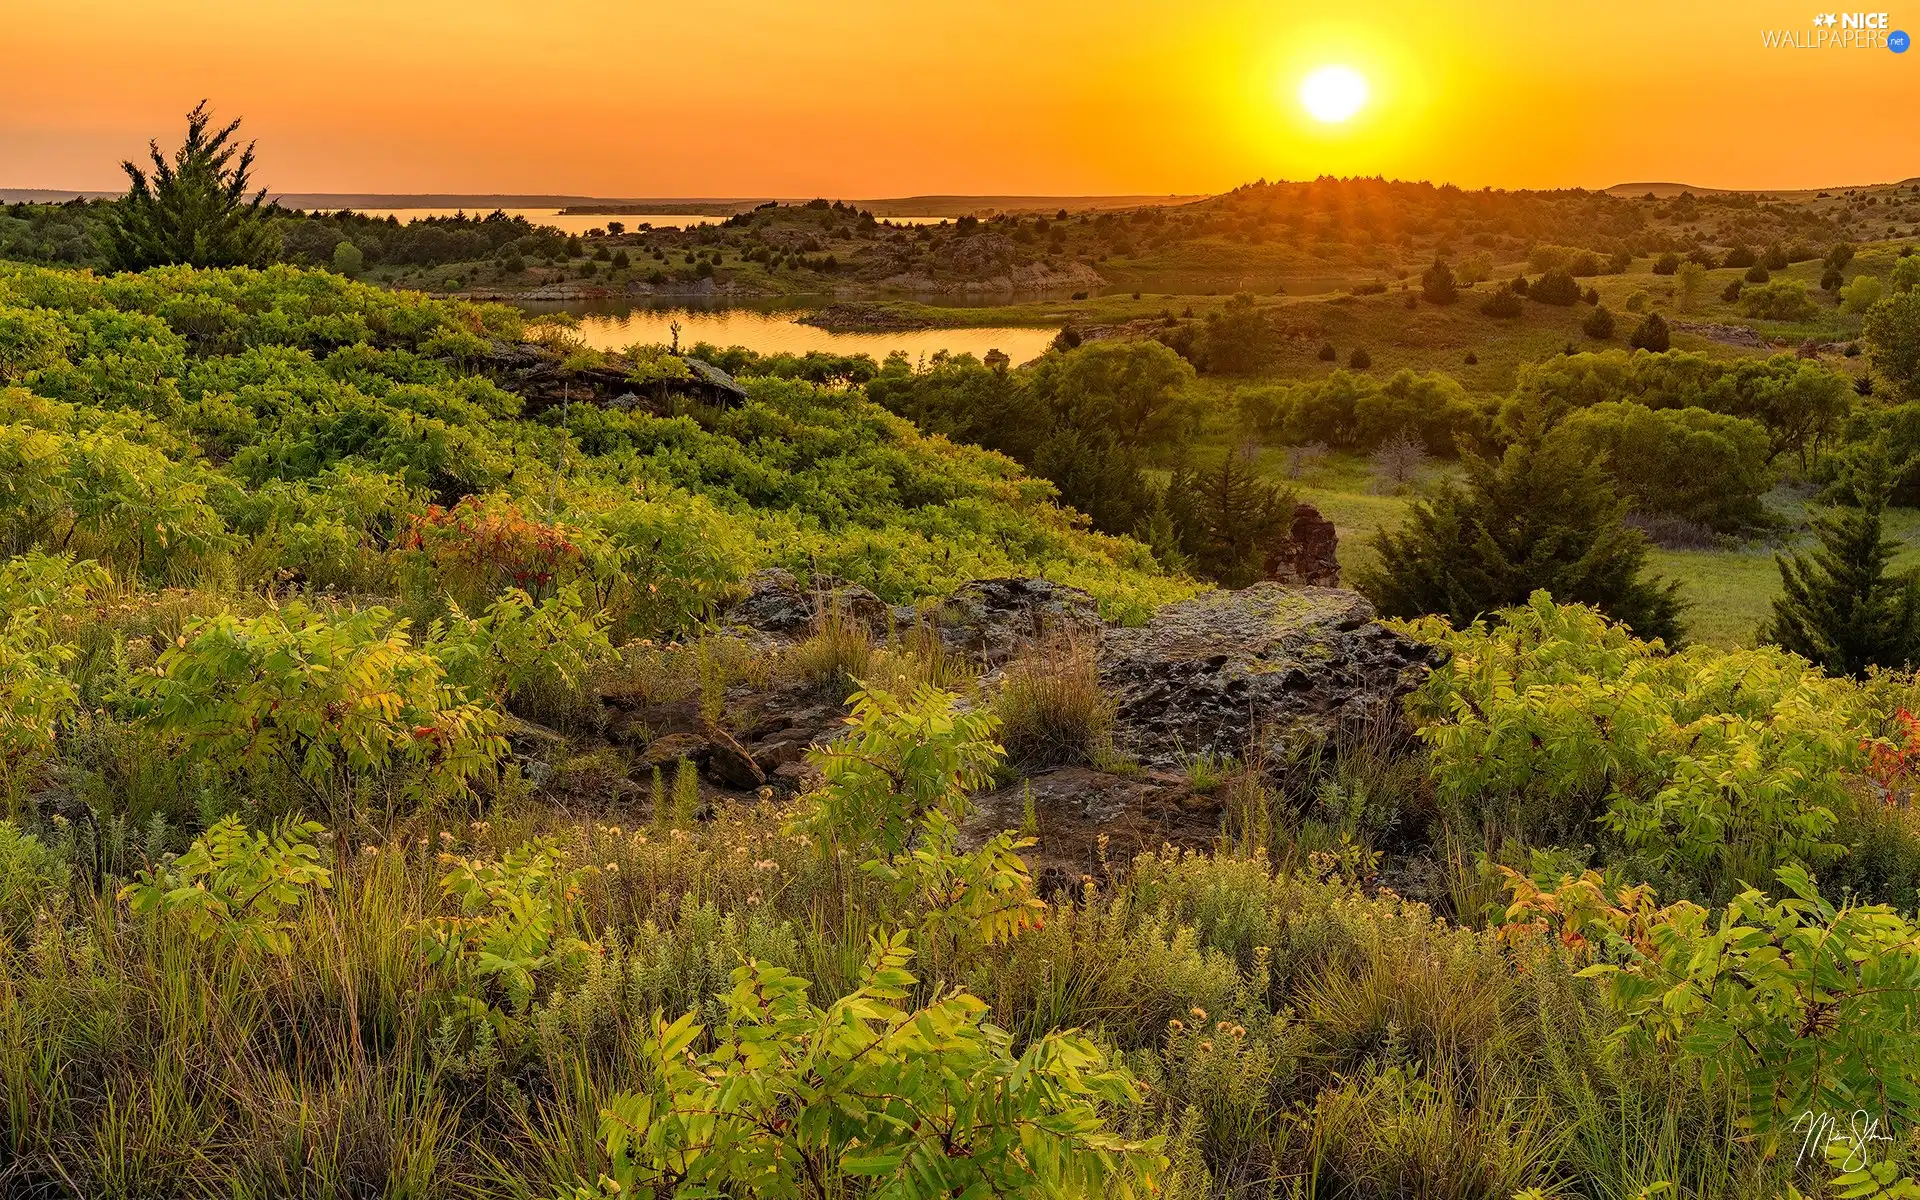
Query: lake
[
  {"x": 574, "y": 223},
  {"x": 582, "y": 223},
  {"x": 615, "y": 327}
]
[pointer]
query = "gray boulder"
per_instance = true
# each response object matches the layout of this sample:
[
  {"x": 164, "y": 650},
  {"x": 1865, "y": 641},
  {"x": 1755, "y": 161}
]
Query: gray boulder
[
  {"x": 992, "y": 620},
  {"x": 779, "y": 605},
  {"x": 1268, "y": 670}
]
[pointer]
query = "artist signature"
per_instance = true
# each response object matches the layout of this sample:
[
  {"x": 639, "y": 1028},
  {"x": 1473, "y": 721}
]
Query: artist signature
[{"x": 1823, "y": 1129}]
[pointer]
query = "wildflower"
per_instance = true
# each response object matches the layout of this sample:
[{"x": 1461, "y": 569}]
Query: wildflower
[
  {"x": 1198, "y": 1013},
  {"x": 1206, "y": 1045},
  {"x": 613, "y": 868},
  {"x": 446, "y": 835},
  {"x": 1238, "y": 1031},
  {"x": 1176, "y": 1024},
  {"x": 369, "y": 849}
]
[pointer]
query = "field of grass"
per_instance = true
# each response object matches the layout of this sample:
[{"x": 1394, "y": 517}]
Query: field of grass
[
  {"x": 1729, "y": 592},
  {"x": 1430, "y": 338}
]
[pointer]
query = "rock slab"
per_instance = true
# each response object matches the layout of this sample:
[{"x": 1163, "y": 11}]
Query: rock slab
[{"x": 1264, "y": 672}]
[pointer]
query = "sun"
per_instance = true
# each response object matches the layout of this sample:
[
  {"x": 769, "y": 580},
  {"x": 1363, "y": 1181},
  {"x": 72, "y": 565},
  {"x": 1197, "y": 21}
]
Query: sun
[{"x": 1334, "y": 93}]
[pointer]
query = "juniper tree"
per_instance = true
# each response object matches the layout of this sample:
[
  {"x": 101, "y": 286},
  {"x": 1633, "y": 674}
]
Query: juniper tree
[
  {"x": 1541, "y": 517},
  {"x": 194, "y": 210},
  {"x": 1228, "y": 518},
  {"x": 1652, "y": 335},
  {"x": 1437, "y": 284},
  {"x": 1841, "y": 609}
]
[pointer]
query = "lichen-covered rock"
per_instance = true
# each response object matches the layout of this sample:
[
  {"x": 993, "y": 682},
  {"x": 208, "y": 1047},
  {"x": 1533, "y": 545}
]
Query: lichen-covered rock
[
  {"x": 1267, "y": 671},
  {"x": 778, "y": 604},
  {"x": 1091, "y": 821},
  {"x": 1310, "y": 553},
  {"x": 992, "y": 620}
]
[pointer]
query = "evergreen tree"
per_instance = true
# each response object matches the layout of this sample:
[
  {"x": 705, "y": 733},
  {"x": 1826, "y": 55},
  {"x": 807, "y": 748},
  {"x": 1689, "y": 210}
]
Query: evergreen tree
[
  {"x": 1543, "y": 517},
  {"x": 1599, "y": 324},
  {"x": 1228, "y": 519},
  {"x": 194, "y": 210},
  {"x": 1437, "y": 284},
  {"x": 1504, "y": 302},
  {"x": 1555, "y": 287},
  {"x": 1841, "y": 609},
  {"x": 1651, "y": 335}
]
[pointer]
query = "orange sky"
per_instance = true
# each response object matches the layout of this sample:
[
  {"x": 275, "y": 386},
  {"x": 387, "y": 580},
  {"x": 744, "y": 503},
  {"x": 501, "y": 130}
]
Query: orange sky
[{"x": 872, "y": 98}]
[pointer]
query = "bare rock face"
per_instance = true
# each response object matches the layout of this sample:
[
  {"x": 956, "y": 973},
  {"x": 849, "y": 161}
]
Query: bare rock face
[
  {"x": 1258, "y": 675},
  {"x": 994, "y": 619},
  {"x": 1310, "y": 555},
  {"x": 1089, "y": 821},
  {"x": 780, "y": 605},
  {"x": 1266, "y": 671}
]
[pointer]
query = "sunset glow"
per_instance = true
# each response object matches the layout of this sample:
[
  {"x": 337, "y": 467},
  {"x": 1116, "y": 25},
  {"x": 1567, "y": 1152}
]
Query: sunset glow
[
  {"x": 862, "y": 99},
  {"x": 1333, "y": 94}
]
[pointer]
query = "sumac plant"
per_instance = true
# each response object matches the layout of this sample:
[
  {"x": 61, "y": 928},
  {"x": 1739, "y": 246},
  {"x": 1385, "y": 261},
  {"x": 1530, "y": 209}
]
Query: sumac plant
[
  {"x": 1807, "y": 1008},
  {"x": 786, "y": 1098},
  {"x": 892, "y": 795},
  {"x": 1717, "y": 765},
  {"x": 324, "y": 698},
  {"x": 479, "y": 547},
  {"x": 239, "y": 887}
]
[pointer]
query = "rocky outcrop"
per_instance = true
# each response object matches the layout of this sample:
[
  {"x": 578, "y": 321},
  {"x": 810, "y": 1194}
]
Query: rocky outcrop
[
  {"x": 1089, "y": 821},
  {"x": 992, "y": 620},
  {"x": 543, "y": 380},
  {"x": 1258, "y": 674},
  {"x": 1743, "y": 336},
  {"x": 1310, "y": 555},
  {"x": 779, "y": 605}
]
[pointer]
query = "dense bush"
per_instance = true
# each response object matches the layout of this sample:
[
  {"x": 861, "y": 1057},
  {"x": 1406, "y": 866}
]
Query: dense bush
[
  {"x": 1781, "y": 300},
  {"x": 1543, "y": 517},
  {"x": 1700, "y": 466},
  {"x": 1796, "y": 401},
  {"x": 1358, "y": 413},
  {"x": 1552, "y": 724},
  {"x": 1892, "y": 334}
]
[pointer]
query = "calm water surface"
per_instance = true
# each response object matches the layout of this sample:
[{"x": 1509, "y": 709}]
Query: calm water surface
[
  {"x": 564, "y": 222},
  {"x": 771, "y": 332},
  {"x": 581, "y": 223}
]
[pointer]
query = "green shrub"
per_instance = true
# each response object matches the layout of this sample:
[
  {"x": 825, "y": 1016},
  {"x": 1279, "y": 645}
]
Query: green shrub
[
  {"x": 1714, "y": 765},
  {"x": 1800, "y": 1004},
  {"x": 33, "y": 877},
  {"x": 1860, "y": 295},
  {"x": 518, "y": 646},
  {"x": 518, "y": 917},
  {"x": 326, "y": 700},
  {"x": 1781, "y": 300},
  {"x": 865, "y": 1092},
  {"x": 1651, "y": 334},
  {"x": 1700, "y": 466},
  {"x": 237, "y": 886}
]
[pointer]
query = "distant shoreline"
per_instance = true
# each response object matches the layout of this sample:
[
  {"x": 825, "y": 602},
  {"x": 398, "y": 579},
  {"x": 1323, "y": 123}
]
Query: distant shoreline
[{"x": 613, "y": 206}]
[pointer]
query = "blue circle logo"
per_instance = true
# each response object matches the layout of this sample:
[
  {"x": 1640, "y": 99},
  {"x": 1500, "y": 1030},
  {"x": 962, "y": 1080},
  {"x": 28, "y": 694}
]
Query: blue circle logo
[{"x": 1898, "y": 41}]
